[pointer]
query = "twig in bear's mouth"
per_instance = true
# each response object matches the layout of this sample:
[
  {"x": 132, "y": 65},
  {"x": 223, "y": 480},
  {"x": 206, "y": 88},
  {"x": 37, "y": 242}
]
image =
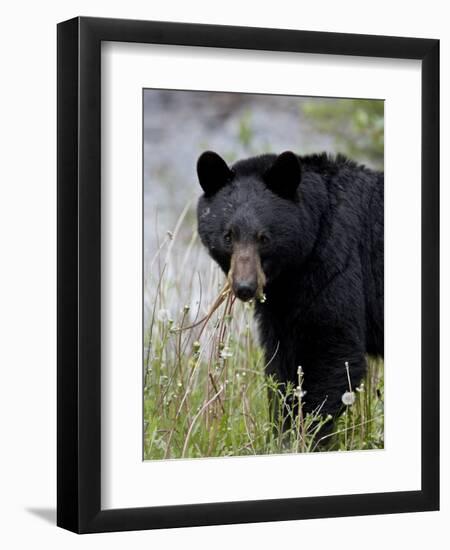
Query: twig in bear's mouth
[{"x": 223, "y": 295}]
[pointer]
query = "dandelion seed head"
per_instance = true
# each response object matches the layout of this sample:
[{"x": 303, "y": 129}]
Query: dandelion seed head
[{"x": 348, "y": 398}]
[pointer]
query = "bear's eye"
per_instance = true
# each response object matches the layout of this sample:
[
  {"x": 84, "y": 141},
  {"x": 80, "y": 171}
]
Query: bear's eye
[
  {"x": 227, "y": 237},
  {"x": 263, "y": 239}
]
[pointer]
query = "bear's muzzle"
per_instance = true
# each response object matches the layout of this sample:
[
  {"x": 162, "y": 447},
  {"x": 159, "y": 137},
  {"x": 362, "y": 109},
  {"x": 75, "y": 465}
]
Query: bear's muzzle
[{"x": 246, "y": 276}]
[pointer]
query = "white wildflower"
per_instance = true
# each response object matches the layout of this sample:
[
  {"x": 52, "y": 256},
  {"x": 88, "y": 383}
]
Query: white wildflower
[
  {"x": 348, "y": 398},
  {"x": 226, "y": 352},
  {"x": 299, "y": 393}
]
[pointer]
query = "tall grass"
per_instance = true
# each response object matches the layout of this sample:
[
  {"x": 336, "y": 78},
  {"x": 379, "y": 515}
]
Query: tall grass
[{"x": 205, "y": 391}]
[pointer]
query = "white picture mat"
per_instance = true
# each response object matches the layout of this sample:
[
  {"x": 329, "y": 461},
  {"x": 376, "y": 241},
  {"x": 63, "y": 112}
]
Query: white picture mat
[{"x": 128, "y": 481}]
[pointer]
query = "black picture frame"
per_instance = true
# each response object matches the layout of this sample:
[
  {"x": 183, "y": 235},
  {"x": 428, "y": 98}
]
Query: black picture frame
[{"x": 79, "y": 281}]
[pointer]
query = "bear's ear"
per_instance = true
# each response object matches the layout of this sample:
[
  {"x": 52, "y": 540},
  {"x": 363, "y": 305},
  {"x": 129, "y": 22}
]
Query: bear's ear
[
  {"x": 213, "y": 172},
  {"x": 284, "y": 176}
]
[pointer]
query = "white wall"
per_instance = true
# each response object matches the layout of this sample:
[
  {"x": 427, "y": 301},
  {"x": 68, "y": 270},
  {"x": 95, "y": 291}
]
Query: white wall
[{"x": 28, "y": 269}]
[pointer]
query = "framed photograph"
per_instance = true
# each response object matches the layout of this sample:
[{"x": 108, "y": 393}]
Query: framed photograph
[{"x": 248, "y": 274}]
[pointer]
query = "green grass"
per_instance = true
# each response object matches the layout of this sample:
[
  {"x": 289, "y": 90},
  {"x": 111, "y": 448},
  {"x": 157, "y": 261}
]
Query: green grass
[{"x": 205, "y": 392}]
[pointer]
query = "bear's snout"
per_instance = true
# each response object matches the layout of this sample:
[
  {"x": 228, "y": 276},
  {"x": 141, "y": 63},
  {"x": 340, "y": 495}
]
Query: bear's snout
[
  {"x": 245, "y": 290},
  {"x": 245, "y": 276}
]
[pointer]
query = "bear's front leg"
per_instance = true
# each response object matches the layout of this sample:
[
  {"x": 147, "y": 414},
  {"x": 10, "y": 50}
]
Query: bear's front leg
[{"x": 326, "y": 378}]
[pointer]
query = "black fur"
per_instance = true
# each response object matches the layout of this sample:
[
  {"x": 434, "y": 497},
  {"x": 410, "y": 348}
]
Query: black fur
[{"x": 323, "y": 259}]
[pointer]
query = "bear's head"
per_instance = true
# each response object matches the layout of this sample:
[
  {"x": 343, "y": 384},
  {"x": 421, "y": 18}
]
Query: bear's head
[{"x": 250, "y": 218}]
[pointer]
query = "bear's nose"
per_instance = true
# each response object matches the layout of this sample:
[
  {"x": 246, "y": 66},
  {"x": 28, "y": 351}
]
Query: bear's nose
[{"x": 245, "y": 290}]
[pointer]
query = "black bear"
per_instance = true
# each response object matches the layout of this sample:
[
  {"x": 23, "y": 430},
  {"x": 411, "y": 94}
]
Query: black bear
[{"x": 307, "y": 233}]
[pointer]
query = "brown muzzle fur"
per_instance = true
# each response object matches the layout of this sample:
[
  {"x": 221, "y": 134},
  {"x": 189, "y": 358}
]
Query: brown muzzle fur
[{"x": 246, "y": 276}]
